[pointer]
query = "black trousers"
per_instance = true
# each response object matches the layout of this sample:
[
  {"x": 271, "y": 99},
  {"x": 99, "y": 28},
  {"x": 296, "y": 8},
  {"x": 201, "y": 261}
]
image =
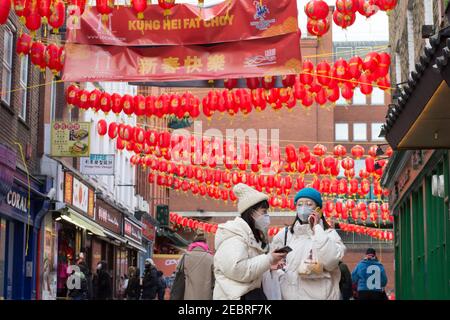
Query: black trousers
[{"x": 372, "y": 295}]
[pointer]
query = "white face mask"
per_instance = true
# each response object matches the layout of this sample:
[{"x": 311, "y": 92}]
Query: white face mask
[
  {"x": 303, "y": 213},
  {"x": 99, "y": 266},
  {"x": 262, "y": 223}
]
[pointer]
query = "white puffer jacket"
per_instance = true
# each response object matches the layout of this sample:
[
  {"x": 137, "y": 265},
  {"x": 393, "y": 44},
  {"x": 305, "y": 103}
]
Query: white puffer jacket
[
  {"x": 327, "y": 248},
  {"x": 239, "y": 262}
]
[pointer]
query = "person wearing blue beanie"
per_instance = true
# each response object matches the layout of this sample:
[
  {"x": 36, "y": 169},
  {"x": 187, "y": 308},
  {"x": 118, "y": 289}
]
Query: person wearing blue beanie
[{"x": 312, "y": 267}]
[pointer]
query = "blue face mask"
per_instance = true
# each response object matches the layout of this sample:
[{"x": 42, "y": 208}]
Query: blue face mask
[{"x": 303, "y": 213}]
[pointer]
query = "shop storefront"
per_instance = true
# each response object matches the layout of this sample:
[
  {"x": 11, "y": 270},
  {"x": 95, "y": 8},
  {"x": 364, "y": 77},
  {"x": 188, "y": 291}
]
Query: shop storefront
[
  {"x": 20, "y": 203},
  {"x": 132, "y": 231}
]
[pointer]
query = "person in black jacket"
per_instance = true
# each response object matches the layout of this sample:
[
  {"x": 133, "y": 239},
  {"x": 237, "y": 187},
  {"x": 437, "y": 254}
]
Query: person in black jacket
[
  {"x": 161, "y": 285},
  {"x": 133, "y": 290},
  {"x": 81, "y": 287},
  {"x": 150, "y": 281},
  {"x": 345, "y": 285},
  {"x": 103, "y": 282}
]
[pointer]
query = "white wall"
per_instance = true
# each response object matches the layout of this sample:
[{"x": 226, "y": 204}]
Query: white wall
[{"x": 124, "y": 172}]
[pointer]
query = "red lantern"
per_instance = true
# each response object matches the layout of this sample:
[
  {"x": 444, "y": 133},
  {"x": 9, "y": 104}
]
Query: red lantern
[
  {"x": 371, "y": 62},
  {"x": 348, "y": 163},
  {"x": 319, "y": 150},
  {"x": 365, "y": 84},
  {"x": 112, "y": 130},
  {"x": 347, "y": 92},
  {"x": 23, "y": 44},
  {"x": 353, "y": 186},
  {"x": 94, "y": 100},
  {"x": 386, "y": 5},
  {"x": 373, "y": 151},
  {"x": 323, "y": 73},
  {"x": 127, "y": 104},
  {"x": 57, "y": 15},
  {"x": 291, "y": 155},
  {"x": 355, "y": 67},
  {"x": 389, "y": 152},
  {"x": 339, "y": 151},
  {"x": 383, "y": 65},
  {"x": 33, "y": 19},
  {"x": 116, "y": 101},
  {"x": 367, "y": 8},
  {"x": 105, "y": 102},
  {"x": 139, "y": 105},
  {"x": 343, "y": 20},
  {"x": 357, "y": 152},
  {"x": 52, "y": 58},
  {"x": 105, "y": 8},
  {"x": 365, "y": 186},
  {"x": 139, "y": 7},
  {"x": 370, "y": 164},
  {"x": 83, "y": 99},
  {"x": 288, "y": 80},
  {"x": 268, "y": 82},
  {"x": 72, "y": 95},
  {"x": 167, "y": 5},
  {"x": 37, "y": 53},
  {"x": 318, "y": 27},
  {"x": 317, "y": 9},
  {"x": 230, "y": 83},
  {"x": 384, "y": 83},
  {"x": 347, "y": 6},
  {"x": 102, "y": 127},
  {"x": 5, "y": 7},
  {"x": 307, "y": 74}
]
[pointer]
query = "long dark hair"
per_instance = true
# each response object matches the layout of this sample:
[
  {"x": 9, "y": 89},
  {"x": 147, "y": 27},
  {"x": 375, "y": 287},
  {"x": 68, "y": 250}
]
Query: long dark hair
[
  {"x": 247, "y": 216},
  {"x": 324, "y": 221}
]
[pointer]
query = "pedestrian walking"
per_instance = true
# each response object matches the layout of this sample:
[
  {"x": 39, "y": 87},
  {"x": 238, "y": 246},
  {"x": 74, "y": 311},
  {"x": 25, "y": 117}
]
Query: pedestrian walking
[
  {"x": 150, "y": 280},
  {"x": 194, "y": 279},
  {"x": 161, "y": 285},
  {"x": 242, "y": 250},
  {"x": 312, "y": 267},
  {"x": 133, "y": 290},
  {"x": 103, "y": 283},
  {"x": 345, "y": 285},
  {"x": 370, "y": 278}
]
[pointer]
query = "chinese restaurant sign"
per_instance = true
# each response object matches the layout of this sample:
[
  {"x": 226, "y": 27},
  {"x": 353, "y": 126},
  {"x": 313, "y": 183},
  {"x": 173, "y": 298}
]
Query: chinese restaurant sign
[
  {"x": 70, "y": 139},
  {"x": 278, "y": 55},
  {"x": 132, "y": 231},
  {"x": 98, "y": 164},
  {"x": 229, "y": 21},
  {"x": 108, "y": 217},
  {"x": 79, "y": 195}
]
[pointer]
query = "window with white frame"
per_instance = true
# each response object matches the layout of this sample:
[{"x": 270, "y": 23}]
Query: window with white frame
[
  {"x": 377, "y": 97},
  {"x": 359, "y": 98},
  {"x": 359, "y": 132},
  {"x": 23, "y": 83},
  {"x": 341, "y": 131},
  {"x": 8, "y": 47},
  {"x": 375, "y": 130},
  {"x": 343, "y": 52}
]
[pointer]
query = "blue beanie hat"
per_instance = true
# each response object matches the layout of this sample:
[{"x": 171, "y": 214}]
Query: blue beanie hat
[{"x": 309, "y": 193}]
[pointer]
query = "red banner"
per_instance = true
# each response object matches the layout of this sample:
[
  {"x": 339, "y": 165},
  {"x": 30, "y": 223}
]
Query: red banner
[
  {"x": 261, "y": 57},
  {"x": 226, "y": 22}
]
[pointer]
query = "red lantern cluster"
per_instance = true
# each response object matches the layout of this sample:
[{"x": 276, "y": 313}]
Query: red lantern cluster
[
  {"x": 318, "y": 21},
  {"x": 176, "y": 219},
  {"x": 42, "y": 56},
  {"x": 386, "y": 235},
  {"x": 345, "y": 13}
]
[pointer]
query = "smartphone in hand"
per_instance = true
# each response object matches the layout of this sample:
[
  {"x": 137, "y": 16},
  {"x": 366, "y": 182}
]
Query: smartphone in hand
[{"x": 286, "y": 249}]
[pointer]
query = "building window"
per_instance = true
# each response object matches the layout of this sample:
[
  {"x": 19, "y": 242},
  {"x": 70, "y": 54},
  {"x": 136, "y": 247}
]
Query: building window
[
  {"x": 8, "y": 47},
  {"x": 341, "y": 131},
  {"x": 359, "y": 132},
  {"x": 376, "y": 129},
  {"x": 52, "y": 101},
  {"x": 398, "y": 68},
  {"x": 377, "y": 97},
  {"x": 359, "y": 98},
  {"x": 344, "y": 53},
  {"x": 23, "y": 82},
  {"x": 410, "y": 25}
]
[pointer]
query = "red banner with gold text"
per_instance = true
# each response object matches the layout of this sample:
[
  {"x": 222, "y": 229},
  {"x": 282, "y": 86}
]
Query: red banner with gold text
[
  {"x": 261, "y": 57},
  {"x": 230, "y": 21}
]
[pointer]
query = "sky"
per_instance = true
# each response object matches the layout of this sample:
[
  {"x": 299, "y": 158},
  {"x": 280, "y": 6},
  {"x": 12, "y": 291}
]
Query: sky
[{"x": 376, "y": 28}]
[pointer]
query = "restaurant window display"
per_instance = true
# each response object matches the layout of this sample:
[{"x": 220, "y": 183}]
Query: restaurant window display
[
  {"x": 66, "y": 256},
  {"x": 49, "y": 259}
]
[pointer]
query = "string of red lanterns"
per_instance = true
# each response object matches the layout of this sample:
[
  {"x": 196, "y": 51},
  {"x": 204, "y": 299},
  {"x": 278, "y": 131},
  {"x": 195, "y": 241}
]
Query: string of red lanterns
[{"x": 371, "y": 232}]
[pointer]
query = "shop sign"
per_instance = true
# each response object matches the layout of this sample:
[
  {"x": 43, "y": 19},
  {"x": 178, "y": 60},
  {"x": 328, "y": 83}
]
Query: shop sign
[
  {"x": 17, "y": 200},
  {"x": 7, "y": 169},
  {"x": 98, "y": 164},
  {"x": 132, "y": 231},
  {"x": 79, "y": 195},
  {"x": 70, "y": 139},
  {"x": 148, "y": 229},
  {"x": 110, "y": 219}
]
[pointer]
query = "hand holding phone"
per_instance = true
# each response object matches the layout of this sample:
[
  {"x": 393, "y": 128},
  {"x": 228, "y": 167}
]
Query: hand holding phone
[{"x": 286, "y": 249}]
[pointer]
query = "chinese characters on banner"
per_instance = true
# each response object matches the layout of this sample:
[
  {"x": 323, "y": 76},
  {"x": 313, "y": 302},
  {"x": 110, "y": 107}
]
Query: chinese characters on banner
[
  {"x": 262, "y": 57},
  {"x": 70, "y": 139},
  {"x": 229, "y": 21},
  {"x": 132, "y": 231}
]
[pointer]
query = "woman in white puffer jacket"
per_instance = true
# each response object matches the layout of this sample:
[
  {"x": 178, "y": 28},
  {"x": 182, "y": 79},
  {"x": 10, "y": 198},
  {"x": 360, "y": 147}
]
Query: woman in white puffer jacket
[
  {"x": 242, "y": 256},
  {"x": 312, "y": 267}
]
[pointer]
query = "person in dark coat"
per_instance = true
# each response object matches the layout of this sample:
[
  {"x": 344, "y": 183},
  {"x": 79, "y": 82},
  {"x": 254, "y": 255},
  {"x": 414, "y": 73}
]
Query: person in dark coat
[
  {"x": 150, "y": 281},
  {"x": 133, "y": 290},
  {"x": 83, "y": 276},
  {"x": 345, "y": 285},
  {"x": 103, "y": 282},
  {"x": 161, "y": 285}
]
